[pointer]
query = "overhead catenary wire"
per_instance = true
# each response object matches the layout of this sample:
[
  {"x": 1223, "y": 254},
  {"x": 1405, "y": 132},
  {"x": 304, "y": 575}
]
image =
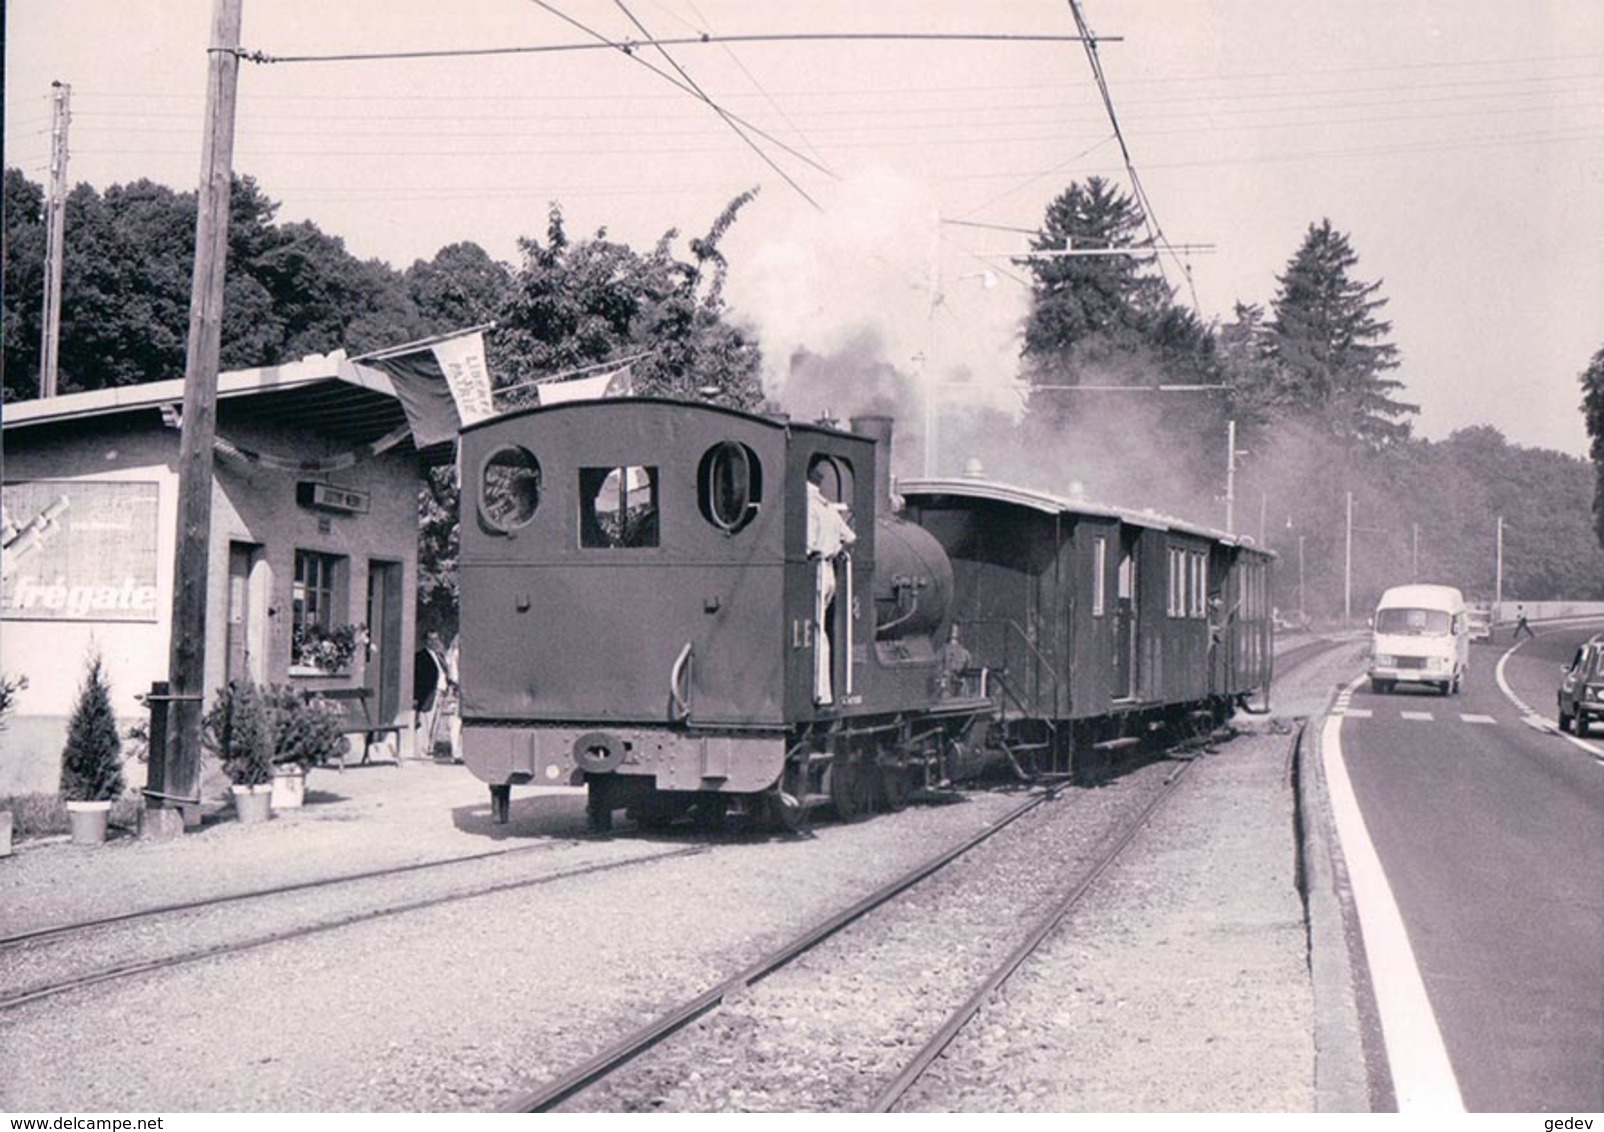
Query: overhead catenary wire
[
  {"x": 630, "y": 46},
  {"x": 689, "y": 89},
  {"x": 716, "y": 108},
  {"x": 1155, "y": 229}
]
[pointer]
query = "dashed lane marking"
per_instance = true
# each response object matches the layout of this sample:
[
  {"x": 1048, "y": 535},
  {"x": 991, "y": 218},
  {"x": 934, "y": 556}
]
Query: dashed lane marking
[
  {"x": 1423, "y": 716},
  {"x": 1477, "y": 719}
]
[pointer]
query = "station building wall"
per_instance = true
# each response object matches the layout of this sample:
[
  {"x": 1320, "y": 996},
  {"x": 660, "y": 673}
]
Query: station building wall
[{"x": 50, "y": 623}]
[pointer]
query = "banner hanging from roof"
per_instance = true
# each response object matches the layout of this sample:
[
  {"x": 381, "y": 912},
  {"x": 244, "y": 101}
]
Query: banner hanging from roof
[
  {"x": 619, "y": 383},
  {"x": 442, "y": 385}
]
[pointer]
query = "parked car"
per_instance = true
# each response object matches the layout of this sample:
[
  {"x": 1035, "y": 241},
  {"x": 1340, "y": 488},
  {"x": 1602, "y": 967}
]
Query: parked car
[
  {"x": 1481, "y": 623},
  {"x": 1581, "y": 689}
]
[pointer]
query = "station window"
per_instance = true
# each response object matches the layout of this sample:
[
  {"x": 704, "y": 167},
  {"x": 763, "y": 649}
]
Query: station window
[
  {"x": 509, "y": 488},
  {"x": 314, "y": 596},
  {"x": 618, "y": 507},
  {"x": 729, "y": 486}
]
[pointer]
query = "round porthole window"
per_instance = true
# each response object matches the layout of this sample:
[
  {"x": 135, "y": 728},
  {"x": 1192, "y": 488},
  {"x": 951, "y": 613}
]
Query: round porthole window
[
  {"x": 730, "y": 485},
  {"x": 509, "y": 488}
]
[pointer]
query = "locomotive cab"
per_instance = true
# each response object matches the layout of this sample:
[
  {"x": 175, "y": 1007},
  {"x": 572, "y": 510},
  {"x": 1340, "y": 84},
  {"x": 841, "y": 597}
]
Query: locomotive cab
[{"x": 651, "y": 606}]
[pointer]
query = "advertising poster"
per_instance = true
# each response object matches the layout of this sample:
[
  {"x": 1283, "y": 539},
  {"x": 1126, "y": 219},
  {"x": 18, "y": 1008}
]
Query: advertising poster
[{"x": 79, "y": 551}]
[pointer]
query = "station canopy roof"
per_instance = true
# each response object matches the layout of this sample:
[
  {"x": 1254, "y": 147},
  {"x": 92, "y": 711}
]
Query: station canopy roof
[{"x": 323, "y": 394}]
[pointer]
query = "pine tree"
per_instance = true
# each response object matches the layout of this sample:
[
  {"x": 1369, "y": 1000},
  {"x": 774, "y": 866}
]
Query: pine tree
[
  {"x": 1092, "y": 318},
  {"x": 91, "y": 762},
  {"x": 1330, "y": 349}
]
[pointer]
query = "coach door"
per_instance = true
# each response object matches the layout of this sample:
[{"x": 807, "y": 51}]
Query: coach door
[{"x": 1122, "y": 650}]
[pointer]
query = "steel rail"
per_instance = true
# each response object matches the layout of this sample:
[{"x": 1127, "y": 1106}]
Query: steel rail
[
  {"x": 126, "y": 970},
  {"x": 949, "y": 1030},
  {"x": 630, "y": 1047},
  {"x": 57, "y": 931}
]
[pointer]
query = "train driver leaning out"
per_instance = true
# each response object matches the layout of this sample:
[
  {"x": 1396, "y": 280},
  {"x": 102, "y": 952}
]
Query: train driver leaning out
[{"x": 828, "y": 536}]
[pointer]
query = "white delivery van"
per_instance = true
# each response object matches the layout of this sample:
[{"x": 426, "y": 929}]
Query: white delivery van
[{"x": 1422, "y": 636}]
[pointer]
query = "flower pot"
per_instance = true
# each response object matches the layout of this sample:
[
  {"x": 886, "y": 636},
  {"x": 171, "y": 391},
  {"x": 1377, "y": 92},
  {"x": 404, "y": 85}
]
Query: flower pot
[
  {"x": 88, "y": 820},
  {"x": 289, "y": 787},
  {"x": 253, "y": 803}
]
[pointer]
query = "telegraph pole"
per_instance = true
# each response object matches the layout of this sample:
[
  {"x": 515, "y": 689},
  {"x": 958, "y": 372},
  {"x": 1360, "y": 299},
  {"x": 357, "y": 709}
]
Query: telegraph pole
[
  {"x": 1347, "y": 567},
  {"x": 55, "y": 236},
  {"x": 176, "y": 779},
  {"x": 1498, "y": 578},
  {"x": 1230, "y": 477}
]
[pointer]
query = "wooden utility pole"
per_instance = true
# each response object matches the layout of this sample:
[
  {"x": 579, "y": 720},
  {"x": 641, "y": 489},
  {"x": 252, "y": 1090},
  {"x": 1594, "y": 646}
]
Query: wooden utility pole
[
  {"x": 55, "y": 236},
  {"x": 1230, "y": 477},
  {"x": 176, "y": 779}
]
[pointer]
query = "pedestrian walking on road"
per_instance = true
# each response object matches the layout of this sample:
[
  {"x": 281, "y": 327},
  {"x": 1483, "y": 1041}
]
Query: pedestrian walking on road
[{"x": 1520, "y": 624}]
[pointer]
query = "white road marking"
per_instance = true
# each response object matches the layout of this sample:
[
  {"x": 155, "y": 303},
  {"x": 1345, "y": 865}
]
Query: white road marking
[
  {"x": 1476, "y": 719},
  {"x": 1358, "y": 713},
  {"x": 1422, "y": 1076},
  {"x": 1421, "y": 715},
  {"x": 1539, "y": 722}
]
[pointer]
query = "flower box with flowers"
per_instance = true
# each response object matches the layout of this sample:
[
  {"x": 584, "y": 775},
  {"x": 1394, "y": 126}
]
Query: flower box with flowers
[{"x": 316, "y": 651}]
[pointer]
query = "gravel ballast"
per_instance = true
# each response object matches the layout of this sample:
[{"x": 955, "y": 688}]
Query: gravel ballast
[{"x": 1182, "y": 984}]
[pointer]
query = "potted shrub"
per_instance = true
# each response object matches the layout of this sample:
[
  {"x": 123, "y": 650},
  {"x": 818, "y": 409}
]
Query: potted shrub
[
  {"x": 91, "y": 762},
  {"x": 238, "y": 729},
  {"x": 304, "y": 736}
]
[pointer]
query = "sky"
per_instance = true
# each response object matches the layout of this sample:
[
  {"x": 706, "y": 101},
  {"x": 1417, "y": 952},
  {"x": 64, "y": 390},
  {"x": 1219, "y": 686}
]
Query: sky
[{"x": 1459, "y": 144}]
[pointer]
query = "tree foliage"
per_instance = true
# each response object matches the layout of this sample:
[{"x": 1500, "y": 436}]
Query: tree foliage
[
  {"x": 1110, "y": 320},
  {"x": 575, "y": 304},
  {"x": 1593, "y": 411},
  {"x": 1329, "y": 347},
  {"x": 127, "y": 275}
]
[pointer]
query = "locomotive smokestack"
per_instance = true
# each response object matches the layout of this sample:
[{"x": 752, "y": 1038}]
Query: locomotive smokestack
[{"x": 878, "y": 428}]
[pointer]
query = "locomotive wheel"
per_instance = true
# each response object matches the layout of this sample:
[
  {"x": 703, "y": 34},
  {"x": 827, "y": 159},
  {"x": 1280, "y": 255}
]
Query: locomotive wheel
[
  {"x": 709, "y": 812},
  {"x": 598, "y": 807},
  {"x": 851, "y": 792},
  {"x": 785, "y": 812},
  {"x": 894, "y": 788},
  {"x": 501, "y": 800}
]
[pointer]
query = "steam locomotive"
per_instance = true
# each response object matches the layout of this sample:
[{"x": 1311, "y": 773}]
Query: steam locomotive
[{"x": 646, "y": 611}]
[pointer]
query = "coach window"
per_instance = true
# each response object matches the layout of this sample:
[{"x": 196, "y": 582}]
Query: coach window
[
  {"x": 509, "y": 488},
  {"x": 618, "y": 507},
  {"x": 1099, "y": 574},
  {"x": 729, "y": 486}
]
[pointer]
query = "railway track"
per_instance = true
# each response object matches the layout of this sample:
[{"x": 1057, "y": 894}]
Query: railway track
[
  {"x": 592, "y": 1085},
  {"x": 54, "y": 960},
  {"x": 603, "y": 1068}
]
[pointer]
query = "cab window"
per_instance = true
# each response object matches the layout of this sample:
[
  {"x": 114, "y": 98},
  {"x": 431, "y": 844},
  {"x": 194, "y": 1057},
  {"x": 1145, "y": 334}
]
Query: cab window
[
  {"x": 729, "y": 486},
  {"x": 618, "y": 507},
  {"x": 509, "y": 488}
]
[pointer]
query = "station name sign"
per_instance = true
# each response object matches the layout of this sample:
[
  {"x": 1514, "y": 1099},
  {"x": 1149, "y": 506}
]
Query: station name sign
[{"x": 329, "y": 497}]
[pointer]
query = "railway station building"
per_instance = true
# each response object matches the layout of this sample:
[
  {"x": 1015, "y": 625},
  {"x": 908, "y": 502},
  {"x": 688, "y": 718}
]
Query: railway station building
[{"x": 313, "y": 560}]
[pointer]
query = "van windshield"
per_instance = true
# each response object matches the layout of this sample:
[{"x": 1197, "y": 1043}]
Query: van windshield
[{"x": 1413, "y": 622}]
